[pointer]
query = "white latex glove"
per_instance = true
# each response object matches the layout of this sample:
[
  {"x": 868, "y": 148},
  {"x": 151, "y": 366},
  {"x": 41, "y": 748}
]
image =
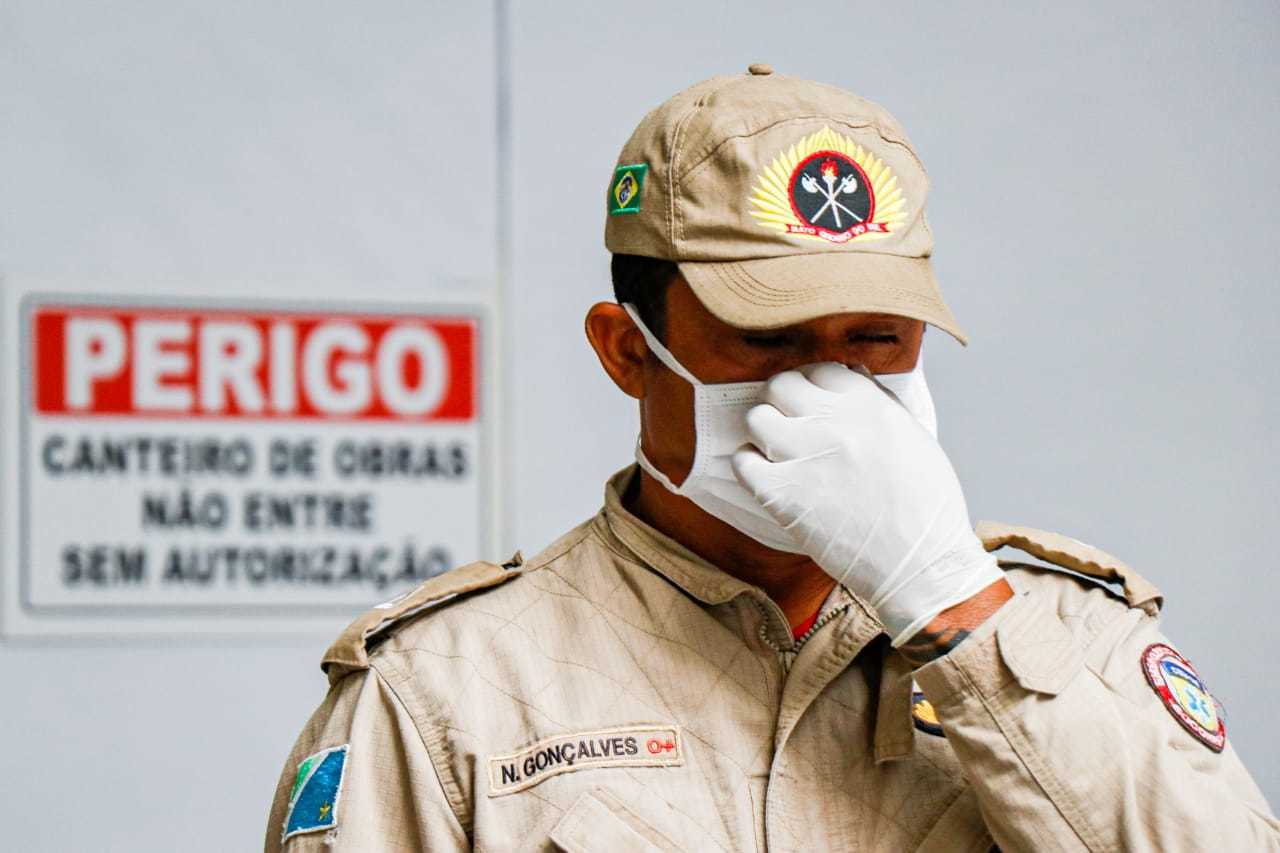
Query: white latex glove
[{"x": 866, "y": 492}]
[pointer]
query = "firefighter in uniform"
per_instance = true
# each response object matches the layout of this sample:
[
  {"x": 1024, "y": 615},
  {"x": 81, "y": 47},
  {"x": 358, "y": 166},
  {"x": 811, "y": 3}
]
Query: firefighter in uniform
[{"x": 781, "y": 631}]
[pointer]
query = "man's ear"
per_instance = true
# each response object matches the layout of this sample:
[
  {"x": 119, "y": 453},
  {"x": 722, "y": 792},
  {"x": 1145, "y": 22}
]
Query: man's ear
[{"x": 619, "y": 346}]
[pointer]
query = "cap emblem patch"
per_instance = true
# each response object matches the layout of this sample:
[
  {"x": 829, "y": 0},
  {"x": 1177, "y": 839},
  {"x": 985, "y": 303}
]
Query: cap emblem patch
[
  {"x": 1175, "y": 681},
  {"x": 828, "y": 187},
  {"x": 624, "y": 192}
]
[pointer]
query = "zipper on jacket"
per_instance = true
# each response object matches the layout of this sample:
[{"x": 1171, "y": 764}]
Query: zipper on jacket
[{"x": 788, "y": 656}]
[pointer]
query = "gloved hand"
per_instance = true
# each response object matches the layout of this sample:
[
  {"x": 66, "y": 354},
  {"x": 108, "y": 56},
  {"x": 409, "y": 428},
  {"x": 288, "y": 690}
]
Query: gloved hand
[{"x": 866, "y": 492}]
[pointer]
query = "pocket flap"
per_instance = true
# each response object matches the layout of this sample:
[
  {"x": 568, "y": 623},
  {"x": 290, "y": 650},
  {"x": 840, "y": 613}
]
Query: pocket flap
[{"x": 598, "y": 821}]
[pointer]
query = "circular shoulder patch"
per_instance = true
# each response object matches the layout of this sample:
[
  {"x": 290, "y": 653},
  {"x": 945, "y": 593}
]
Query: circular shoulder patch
[
  {"x": 924, "y": 717},
  {"x": 1175, "y": 681}
]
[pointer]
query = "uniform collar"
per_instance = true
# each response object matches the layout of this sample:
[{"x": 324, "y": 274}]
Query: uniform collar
[
  {"x": 663, "y": 554},
  {"x": 895, "y": 735}
]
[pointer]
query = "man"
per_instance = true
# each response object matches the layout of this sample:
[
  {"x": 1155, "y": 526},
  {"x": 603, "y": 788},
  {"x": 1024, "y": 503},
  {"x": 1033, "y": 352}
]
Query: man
[{"x": 780, "y": 632}]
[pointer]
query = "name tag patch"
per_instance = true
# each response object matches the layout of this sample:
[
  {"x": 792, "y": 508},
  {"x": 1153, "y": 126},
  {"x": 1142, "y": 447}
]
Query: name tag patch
[{"x": 626, "y": 746}]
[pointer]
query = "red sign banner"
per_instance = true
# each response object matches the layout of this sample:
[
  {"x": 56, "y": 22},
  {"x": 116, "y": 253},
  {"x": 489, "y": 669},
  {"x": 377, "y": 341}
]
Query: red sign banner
[{"x": 209, "y": 363}]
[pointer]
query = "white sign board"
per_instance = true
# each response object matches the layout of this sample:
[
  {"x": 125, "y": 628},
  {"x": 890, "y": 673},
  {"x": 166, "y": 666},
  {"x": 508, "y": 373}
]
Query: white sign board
[{"x": 238, "y": 466}]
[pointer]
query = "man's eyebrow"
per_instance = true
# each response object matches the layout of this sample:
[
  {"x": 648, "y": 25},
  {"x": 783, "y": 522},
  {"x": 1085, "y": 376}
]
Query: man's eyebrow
[{"x": 780, "y": 330}]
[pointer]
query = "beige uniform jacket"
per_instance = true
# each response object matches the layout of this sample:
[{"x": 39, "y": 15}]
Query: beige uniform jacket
[{"x": 619, "y": 693}]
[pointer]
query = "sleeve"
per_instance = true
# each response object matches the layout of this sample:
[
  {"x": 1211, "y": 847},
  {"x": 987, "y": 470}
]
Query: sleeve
[
  {"x": 359, "y": 778},
  {"x": 1069, "y": 747}
]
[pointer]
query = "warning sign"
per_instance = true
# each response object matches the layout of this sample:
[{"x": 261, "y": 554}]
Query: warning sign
[{"x": 237, "y": 461}]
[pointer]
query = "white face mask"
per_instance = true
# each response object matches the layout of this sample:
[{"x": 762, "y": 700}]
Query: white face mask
[{"x": 720, "y": 428}]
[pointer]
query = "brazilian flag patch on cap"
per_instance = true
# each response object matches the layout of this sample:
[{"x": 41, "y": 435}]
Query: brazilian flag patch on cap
[
  {"x": 313, "y": 802},
  {"x": 624, "y": 192}
]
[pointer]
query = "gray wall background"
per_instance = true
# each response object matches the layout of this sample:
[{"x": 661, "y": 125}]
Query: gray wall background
[{"x": 1103, "y": 202}]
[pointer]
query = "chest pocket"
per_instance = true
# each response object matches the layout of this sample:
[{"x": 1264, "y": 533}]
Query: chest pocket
[{"x": 598, "y": 821}]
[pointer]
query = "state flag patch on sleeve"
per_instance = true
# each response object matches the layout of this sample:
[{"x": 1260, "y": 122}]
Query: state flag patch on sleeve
[{"x": 313, "y": 801}]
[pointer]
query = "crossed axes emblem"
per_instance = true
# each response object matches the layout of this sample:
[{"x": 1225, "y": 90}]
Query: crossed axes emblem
[{"x": 832, "y": 192}]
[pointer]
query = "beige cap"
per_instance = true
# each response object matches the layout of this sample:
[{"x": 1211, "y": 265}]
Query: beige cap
[{"x": 781, "y": 200}]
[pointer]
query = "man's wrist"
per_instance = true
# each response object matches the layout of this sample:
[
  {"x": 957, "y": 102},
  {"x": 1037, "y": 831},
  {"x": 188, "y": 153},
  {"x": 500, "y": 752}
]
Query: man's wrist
[{"x": 952, "y": 626}]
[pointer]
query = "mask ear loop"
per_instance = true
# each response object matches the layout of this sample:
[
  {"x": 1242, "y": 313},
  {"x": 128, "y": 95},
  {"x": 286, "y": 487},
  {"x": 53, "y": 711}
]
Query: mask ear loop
[
  {"x": 655, "y": 346},
  {"x": 664, "y": 355},
  {"x": 652, "y": 470}
]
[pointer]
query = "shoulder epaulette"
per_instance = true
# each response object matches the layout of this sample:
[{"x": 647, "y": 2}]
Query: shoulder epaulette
[
  {"x": 350, "y": 651},
  {"x": 1074, "y": 555}
]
